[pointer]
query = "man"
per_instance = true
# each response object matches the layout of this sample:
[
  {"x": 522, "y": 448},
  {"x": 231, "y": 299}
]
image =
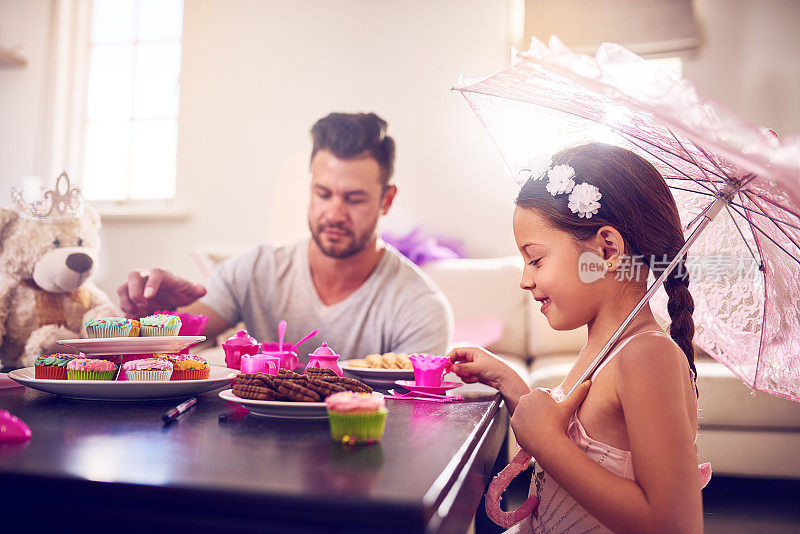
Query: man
[{"x": 361, "y": 293}]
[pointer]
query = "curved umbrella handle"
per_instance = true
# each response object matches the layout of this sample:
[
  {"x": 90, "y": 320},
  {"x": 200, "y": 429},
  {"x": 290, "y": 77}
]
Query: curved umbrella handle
[{"x": 499, "y": 485}]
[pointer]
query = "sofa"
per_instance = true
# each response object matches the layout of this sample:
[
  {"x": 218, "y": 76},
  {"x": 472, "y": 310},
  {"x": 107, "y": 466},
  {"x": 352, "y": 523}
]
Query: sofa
[{"x": 742, "y": 432}]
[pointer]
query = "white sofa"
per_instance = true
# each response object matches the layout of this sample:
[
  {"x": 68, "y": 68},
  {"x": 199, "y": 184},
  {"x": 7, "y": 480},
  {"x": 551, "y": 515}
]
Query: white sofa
[{"x": 742, "y": 432}]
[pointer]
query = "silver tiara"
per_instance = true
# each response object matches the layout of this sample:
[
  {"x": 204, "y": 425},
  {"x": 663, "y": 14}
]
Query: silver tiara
[{"x": 62, "y": 203}]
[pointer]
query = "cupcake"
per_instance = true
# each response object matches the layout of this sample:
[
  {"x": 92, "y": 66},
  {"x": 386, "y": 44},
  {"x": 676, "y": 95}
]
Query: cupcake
[
  {"x": 160, "y": 325},
  {"x": 52, "y": 366},
  {"x": 108, "y": 327},
  {"x": 135, "y": 327},
  {"x": 86, "y": 369},
  {"x": 187, "y": 366},
  {"x": 356, "y": 417},
  {"x": 150, "y": 369}
]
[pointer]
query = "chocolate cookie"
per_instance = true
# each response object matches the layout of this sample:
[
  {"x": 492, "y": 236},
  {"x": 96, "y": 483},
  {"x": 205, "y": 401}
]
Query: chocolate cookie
[
  {"x": 253, "y": 392},
  {"x": 297, "y": 390},
  {"x": 325, "y": 387}
]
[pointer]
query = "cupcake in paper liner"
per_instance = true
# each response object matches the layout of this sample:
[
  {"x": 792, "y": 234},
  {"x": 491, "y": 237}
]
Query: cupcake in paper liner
[
  {"x": 52, "y": 366},
  {"x": 356, "y": 417},
  {"x": 88, "y": 369},
  {"x": 187, "y": 366},
  {"x": 160, "y": 324},
  {"x": 148, "y": 369},
  {"x": 135, "y": 328},
  {"x": 108, "y": 327}
]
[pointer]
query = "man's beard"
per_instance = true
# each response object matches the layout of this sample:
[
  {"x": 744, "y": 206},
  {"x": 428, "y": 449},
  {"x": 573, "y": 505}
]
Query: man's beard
[{"x": 357, "y": 243}]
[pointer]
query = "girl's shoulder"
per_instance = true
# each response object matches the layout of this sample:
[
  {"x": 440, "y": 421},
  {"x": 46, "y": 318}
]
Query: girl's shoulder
[{"x": 651, "y": 353}]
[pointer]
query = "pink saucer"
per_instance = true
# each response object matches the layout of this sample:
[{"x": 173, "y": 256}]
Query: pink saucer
[{"x": 436, "y": 390}]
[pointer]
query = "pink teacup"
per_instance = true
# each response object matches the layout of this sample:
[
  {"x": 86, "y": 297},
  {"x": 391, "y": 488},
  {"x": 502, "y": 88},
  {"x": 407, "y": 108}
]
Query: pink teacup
[
  {"x": 429, "y": 369},
  {"x": 260, "y": 363},
  {"x": 289, "y": 360}
]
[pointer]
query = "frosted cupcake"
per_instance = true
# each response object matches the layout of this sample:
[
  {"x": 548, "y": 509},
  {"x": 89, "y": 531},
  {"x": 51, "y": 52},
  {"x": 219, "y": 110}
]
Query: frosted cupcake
[
  {"x": 52, "y": 366},
  {"x": 108, "y": 327},
  {"x": 149, "y": 369},
  {"x": 86, "y": 369},
  {"x": 160, "y": 325},
  {"x": 187, "y": 366},
  {"x": 135, "y": 327},
  {"x": 356, "y": 417}
]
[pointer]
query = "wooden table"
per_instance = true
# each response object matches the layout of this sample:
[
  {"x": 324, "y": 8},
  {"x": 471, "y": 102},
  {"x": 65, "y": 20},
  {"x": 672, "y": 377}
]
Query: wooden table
[{"x": 115, "y": 466}]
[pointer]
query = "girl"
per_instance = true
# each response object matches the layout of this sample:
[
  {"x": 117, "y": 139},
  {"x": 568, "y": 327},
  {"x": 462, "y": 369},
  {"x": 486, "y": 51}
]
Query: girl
[{"x": 618, "y": 454}]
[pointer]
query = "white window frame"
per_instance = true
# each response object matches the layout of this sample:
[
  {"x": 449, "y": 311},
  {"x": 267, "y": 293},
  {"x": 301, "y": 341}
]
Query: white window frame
[{"x": 65, "y": 132}]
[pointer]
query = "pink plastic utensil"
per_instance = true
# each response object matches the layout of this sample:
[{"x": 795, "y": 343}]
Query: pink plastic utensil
[
  {"x": 399, "y": 396},
  {"x": 12, "y": 428},
  {"x": 281, "y": 332},
  {"x": 429, "y": 369},
  {"x": 304, "y": 339}
]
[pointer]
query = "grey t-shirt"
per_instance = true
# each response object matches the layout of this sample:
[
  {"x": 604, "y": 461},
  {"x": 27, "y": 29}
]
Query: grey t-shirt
[{"x": 397, "y": 309}]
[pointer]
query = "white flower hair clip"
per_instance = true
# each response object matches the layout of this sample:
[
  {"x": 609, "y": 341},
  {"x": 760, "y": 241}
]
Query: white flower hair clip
[
  {"x": 583, "y": 198},
  {"x": 535, "y": 168}
]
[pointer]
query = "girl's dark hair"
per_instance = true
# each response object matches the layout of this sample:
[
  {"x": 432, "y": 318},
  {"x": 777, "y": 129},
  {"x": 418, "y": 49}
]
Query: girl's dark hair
[
  {"x": 349, "y": 135},
  {"x": 637, "y": 202}
]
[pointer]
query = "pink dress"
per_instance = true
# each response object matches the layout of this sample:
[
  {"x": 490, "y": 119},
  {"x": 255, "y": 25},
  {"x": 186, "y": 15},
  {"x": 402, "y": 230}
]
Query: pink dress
[{"x": 558, "y": 512}]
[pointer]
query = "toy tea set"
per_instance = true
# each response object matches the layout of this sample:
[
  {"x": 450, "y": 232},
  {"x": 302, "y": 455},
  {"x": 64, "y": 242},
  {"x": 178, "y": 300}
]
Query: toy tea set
[{"x": 245, "y": 353}]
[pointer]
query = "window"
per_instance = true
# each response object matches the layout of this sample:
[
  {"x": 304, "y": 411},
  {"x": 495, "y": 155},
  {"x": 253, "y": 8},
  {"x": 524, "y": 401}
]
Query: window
[{"x": 130, "y": 119}]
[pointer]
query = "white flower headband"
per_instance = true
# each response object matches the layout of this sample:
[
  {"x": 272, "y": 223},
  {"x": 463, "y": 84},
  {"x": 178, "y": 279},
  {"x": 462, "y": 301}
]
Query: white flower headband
[{"x": 583, "y": 198}]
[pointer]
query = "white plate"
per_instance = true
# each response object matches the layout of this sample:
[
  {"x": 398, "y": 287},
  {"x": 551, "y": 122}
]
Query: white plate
[
  {"x": 132, "y": 345},
  {"x": 126, "y": 390},
  {"x": 378, "y": 374},
  {"x": 279, "y": 409}
]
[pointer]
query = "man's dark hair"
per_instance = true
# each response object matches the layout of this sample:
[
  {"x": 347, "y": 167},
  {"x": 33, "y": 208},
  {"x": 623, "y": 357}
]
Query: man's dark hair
[{"x": 354, "y": 135}]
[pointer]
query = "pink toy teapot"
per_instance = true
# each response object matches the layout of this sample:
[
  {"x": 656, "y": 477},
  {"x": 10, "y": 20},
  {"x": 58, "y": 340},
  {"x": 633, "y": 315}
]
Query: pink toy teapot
[
  {"x": 236, "y": 346},
  {"x": 324, "y": 357}
]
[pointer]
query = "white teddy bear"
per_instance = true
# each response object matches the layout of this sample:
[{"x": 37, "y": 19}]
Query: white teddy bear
[{"x": 48, "y": 253}]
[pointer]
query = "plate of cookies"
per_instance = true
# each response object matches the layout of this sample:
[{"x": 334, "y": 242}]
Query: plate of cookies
[
  {"x": 289, "y": 395},
  {"x": 389, "y": 366}
]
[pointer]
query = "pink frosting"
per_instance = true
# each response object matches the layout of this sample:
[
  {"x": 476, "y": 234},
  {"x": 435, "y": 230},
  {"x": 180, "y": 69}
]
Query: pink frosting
[
  {"x": 147, "y": 364},
  {"x": 348, "y": 401},
  {"x": 85, "y": 364}
]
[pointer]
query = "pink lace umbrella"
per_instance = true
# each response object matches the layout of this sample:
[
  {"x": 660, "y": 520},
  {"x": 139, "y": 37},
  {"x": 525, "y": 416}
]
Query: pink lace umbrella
[{"x": 745, "y": 266}]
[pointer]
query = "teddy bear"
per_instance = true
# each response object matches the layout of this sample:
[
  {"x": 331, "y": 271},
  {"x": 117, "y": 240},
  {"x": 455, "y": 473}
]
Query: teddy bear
[{"x": 48, "y": 253}]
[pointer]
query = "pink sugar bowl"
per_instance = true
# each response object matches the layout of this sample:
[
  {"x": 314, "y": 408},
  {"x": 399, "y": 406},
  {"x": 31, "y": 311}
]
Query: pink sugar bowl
[{"x": 237, "y": 346}]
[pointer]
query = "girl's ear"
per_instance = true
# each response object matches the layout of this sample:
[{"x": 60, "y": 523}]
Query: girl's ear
[{"x": 612, "y": 245}]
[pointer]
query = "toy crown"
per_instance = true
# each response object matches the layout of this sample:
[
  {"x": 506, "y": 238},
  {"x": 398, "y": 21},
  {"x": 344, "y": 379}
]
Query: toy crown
[{"x": 62, "y": 203}]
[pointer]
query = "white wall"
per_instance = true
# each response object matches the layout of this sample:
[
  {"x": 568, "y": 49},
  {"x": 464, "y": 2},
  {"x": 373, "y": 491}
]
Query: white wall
[{"x": 257, "y": 74}]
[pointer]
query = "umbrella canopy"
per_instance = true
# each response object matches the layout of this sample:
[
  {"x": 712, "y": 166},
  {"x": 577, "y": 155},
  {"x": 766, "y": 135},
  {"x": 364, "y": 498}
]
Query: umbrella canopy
[{"x": 745, "y": 265}]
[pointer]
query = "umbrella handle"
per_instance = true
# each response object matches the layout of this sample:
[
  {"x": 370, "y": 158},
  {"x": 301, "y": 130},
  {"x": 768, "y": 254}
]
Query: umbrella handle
[{"x": 498, "y": 486}]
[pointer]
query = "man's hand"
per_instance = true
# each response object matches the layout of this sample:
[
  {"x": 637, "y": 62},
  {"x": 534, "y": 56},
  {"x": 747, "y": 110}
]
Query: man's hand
[{"x": 148, "y": 290}]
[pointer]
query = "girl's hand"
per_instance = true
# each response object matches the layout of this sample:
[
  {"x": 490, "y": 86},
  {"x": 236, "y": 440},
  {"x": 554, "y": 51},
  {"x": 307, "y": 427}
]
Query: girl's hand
[
  {"x": 474, "y": 364},
  {"x": 539, "y": 419}
]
